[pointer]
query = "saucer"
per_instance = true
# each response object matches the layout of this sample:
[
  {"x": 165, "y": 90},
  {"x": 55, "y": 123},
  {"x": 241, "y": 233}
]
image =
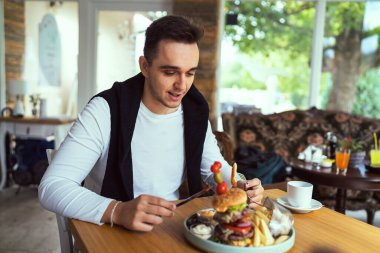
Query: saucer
[{"x": 315, "y": 205}]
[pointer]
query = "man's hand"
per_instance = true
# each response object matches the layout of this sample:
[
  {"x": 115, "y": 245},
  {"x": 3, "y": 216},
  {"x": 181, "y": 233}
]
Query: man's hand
[
  {"x": 143, "y": 212},
  {"x": 254, "y": 191}
]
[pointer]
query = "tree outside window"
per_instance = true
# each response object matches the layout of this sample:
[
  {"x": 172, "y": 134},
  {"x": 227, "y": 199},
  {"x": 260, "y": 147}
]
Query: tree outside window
[{"x": 276, "y": 37}]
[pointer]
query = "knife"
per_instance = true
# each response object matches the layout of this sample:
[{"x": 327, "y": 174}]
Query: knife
[{"x": 196, "y": 195}]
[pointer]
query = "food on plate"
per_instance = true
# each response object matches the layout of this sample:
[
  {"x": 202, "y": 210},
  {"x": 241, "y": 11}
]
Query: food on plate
[
  {"x": 233, "y": 175},
  {"x": 232, "y": 222},
  {"x": 281, "y": 238},
  {"x": 233, "y": 216},
  {"x": 235, "y": 198},
  {"x": 222, "y": 186},
  {"x": 232, "y": 228},
  {"x": 267, "y": 236},
  {"x": 201, "y": 230},
  {"x": 205, "y": 217},
  {"x": 207, "y": 214},
  {"x": 202, "y": 223},
  {"x": 281, "y": 219}
]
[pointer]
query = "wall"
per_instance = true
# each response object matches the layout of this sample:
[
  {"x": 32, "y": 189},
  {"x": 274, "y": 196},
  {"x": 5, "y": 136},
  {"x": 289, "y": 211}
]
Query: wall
[
  {"x": 116, "y": 52},
  {"x": 207, "y": 13},
  {"x": 14, "y": 38},
  {"x": 66, "y": 16}
]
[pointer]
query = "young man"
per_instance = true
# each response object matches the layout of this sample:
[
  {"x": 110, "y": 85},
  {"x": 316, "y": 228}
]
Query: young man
[{"x": 134, "y": 144}]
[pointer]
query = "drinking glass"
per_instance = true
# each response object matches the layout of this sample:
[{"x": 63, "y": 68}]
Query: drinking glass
[
  {"x": 342, "y": 157},
  {"x": 375, "y": 157}
]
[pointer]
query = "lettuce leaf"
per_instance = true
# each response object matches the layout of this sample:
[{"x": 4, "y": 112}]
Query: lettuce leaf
[{"x": 236, "y": 208}]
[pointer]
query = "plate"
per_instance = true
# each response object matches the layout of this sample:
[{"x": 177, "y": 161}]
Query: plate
[
  {"x": 211, "y": 246},
  {"x": 315, "y": 205}
]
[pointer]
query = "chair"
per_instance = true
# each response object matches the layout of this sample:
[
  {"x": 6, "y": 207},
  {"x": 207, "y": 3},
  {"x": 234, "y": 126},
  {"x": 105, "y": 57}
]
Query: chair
[
  {"x": 227, "y": 149},
  {"x": 65, "y": 236},
  {"x": 225, "y": 145}
]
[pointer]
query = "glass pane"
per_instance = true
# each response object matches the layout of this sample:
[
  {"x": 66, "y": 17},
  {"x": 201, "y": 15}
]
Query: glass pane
[
  {"x": 51, "y": 52},
  {"x": 351, "y": 70},
  {"x": 121, "y": 36},
  {"x": 266, "y": 55}
]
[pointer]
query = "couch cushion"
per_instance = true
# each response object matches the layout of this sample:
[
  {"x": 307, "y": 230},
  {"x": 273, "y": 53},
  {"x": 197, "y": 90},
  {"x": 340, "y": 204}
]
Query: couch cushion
[{"x": 289, "y": 133}]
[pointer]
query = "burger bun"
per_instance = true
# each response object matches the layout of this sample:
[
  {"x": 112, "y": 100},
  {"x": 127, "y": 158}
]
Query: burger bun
[{"x": 235, "y": 196}]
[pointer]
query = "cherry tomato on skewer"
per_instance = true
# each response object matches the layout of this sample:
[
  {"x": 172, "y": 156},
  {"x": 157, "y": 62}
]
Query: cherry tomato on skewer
[{"x": 222, "y": 188}]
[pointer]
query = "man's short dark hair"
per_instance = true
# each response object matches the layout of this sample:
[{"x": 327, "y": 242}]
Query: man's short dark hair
[{"x": 174, "y": 28}]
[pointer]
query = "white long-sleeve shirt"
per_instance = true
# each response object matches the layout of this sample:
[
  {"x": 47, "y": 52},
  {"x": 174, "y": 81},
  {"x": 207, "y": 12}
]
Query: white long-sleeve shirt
[{"x": 157, "y": 157}]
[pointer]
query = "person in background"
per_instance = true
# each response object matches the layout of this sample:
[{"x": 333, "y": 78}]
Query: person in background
[{"x": 134, "y": 144}]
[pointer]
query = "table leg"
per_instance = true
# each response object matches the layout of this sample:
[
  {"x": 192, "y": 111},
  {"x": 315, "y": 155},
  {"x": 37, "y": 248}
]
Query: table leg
[{"x": 340, "y": 201}]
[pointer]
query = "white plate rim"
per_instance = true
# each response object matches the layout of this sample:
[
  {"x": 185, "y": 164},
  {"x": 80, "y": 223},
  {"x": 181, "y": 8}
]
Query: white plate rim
[
  {"x": 211, "y": 246},
  {"x": 283, "y": 201}
]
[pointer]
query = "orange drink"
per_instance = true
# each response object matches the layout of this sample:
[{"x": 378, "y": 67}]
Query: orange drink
[{"x": 342, "y": 158}]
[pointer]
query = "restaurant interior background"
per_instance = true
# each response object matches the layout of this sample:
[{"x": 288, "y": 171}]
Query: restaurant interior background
[
  {"x": 295, "y": 54},
  {"x": 261, "y": 56}
]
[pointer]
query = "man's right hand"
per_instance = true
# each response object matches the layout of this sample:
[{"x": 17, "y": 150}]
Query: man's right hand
[{"x": 143, "y": 212}]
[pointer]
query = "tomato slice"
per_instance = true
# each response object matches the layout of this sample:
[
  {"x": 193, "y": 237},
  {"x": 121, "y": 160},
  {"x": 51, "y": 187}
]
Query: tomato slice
[{"x": 242, "y": 230}]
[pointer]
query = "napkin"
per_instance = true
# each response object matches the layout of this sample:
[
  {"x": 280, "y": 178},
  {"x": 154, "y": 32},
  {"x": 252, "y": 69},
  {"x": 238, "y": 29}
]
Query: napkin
[{"x": 281, "y": 221}]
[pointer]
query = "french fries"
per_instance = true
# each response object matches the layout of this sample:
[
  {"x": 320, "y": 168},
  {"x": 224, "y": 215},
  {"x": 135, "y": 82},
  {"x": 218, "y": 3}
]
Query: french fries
[
  {"x": 268, "y": 238},
  {"x": 263, "y": 217},
  {"x": 257, "y": 236},
  {"x": 262, "y": 235},
  {"x": 281, "y": 238}
]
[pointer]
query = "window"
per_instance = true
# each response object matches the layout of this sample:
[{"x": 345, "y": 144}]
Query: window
[
  {"x": 121, "y": 37},
  {"x": 351, "y": 54},
  {"x": 51, "y": 53},
  {"x": 272, "y": 48}
]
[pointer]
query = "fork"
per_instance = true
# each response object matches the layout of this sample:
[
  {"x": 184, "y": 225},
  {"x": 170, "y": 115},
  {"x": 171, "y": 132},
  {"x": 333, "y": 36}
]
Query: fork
[{"x": 243, "y": 178}]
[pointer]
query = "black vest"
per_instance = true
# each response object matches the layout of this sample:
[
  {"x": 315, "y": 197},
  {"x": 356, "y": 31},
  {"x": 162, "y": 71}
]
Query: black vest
[{"x": 124, "y": 101}]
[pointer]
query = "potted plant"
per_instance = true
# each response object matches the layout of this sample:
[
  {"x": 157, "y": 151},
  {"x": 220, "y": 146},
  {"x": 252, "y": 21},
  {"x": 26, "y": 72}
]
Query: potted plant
[
  {"x": 34, "y": 99},
  {"x": 357, "y": 152}
]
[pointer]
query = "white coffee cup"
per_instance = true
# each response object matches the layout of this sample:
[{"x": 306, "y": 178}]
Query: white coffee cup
[{"x": 299, "y": 193}]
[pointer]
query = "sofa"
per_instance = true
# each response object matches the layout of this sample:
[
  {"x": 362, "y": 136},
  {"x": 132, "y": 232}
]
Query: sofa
[{"x": 289, "y": 133}]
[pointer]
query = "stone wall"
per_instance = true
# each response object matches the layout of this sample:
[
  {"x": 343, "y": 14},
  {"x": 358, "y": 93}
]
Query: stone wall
[
  {"x": 14, "y": 29},
  {"x": 207, "y": 14}
]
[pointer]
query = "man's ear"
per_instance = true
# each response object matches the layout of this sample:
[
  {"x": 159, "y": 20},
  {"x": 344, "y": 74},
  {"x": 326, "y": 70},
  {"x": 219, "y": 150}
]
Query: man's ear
[{"x": 143, "y": 65}]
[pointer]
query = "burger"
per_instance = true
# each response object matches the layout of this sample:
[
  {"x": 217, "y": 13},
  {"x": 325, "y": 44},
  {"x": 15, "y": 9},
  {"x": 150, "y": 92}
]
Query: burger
[{"x": 234, "y": 219}]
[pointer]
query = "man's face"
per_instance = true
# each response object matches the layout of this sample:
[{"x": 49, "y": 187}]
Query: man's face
[{"x": 169, "y": 76}]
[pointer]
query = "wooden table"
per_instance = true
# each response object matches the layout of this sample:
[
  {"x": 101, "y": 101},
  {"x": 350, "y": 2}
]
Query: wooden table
[
  {"x": 354, "y": 178},
  {"x": 321, "y": 231}
]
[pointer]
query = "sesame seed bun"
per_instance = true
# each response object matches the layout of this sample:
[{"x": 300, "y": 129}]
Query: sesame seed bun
[{"x": 235, "y": 196}]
